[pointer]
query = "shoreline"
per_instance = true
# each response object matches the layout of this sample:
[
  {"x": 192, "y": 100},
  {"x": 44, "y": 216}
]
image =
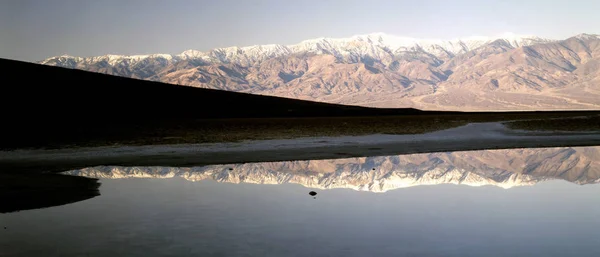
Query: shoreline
[{"x": 473, "y": 136}]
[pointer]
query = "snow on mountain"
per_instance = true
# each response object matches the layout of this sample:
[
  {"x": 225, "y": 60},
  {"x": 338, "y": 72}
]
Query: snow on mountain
[
  {"x": 454, "y": 46},
  {"x": 109, "y": 59},
  {"x": 585, "y": 36},
  {"x": 373, "y": 45}
]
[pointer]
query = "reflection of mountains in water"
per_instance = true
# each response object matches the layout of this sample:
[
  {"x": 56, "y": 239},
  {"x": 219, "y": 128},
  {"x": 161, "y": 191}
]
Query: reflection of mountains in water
[{"x": 502, "y": 168}]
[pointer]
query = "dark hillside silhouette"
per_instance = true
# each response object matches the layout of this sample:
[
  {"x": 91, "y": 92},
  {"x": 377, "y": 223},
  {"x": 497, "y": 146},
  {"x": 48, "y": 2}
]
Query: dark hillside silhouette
[{"x": 46, "y": 106}]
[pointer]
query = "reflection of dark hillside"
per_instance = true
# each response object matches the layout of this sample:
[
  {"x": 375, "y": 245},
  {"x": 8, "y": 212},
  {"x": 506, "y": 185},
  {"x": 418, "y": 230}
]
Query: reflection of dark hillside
[{"x": 33, "y": 191}]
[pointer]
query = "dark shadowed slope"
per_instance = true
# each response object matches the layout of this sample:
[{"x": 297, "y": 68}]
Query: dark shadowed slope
[
  {"x": 66, "y": 93},
  {"x": 45, "y": 106},
  {"x": 50, "y": 104}
]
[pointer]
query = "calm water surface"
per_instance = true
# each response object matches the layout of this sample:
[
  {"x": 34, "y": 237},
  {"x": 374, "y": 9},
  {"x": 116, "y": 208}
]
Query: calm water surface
[{"x": 180, "y": 217}]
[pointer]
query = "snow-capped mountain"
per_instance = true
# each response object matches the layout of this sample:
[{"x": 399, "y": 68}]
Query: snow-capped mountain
[
  {"x": 504, "y": 72},
  {"x": 356, "y": 47},
  {"x": 502, "y": 168}
]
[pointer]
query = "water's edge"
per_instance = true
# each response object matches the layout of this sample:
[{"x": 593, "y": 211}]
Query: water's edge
[{"x": 475, "y": 136}]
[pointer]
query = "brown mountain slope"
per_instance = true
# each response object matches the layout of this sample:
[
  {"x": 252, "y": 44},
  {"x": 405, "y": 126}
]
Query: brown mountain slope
[
  {"x": 534, "y": 74},
  {"x": 561, "y": 74}
]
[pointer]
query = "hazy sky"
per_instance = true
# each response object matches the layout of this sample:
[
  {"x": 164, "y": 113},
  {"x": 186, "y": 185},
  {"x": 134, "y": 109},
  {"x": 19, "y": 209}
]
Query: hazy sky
[{"x": 35, "y": 29}]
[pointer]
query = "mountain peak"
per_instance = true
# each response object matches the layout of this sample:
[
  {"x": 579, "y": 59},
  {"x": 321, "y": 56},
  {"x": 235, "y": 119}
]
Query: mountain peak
[
  {"x": 587, "y": 36},
  {"x": 64, "y": 56}
]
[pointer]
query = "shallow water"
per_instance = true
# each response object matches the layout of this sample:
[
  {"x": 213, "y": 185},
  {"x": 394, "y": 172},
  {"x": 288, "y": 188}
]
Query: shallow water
[
  {"x": 473, "y": 136},
  {"x": 223, "y": 210}
]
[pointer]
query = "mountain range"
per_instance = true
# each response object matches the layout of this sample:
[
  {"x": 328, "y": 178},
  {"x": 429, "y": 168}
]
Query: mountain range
[
  {"x": 502, "y": 168},
  {"x": 507, "y": 72}
]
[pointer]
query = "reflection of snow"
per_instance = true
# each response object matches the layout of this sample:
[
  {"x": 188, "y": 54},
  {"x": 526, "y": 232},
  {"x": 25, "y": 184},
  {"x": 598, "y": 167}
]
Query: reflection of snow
[
  {"x": 502, "y": 168},
  {"x": 263, "y": 173}
]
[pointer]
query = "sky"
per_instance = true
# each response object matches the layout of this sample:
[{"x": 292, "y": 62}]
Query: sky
[{"x": 32, "y": 30}]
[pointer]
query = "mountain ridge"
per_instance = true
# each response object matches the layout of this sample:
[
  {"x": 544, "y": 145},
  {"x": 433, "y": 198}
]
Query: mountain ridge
[
  {"x": 512, "y": 72},
  {"x": 399, "y": 42}
]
